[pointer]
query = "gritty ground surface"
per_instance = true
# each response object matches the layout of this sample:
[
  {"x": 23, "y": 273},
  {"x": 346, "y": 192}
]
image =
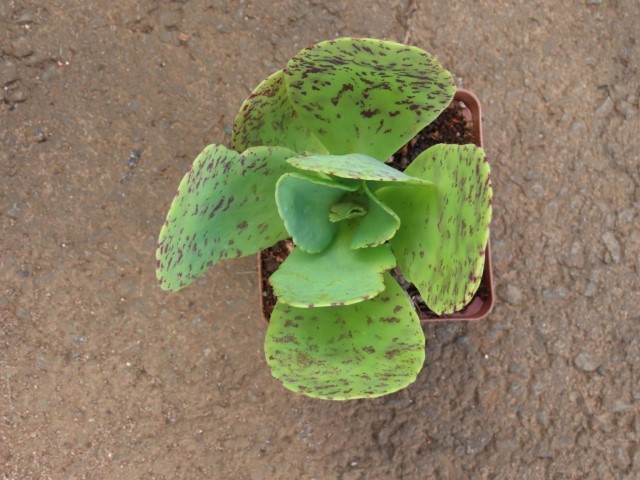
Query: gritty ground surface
[{"x": 103, "y": 376}]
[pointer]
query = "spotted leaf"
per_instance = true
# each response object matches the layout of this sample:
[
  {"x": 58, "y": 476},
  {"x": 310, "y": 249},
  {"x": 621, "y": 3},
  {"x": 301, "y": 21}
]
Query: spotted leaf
[
  {"x": 354, "y": 166},
  {"x": 366, "y": 96},
  {"x": 444, "y": 229},
  {"x": 225, "y": 208},
  {"x": 364, "y": 350},
  {"x": 304, "y": 203},
  {"x": 267, "y": 117},
  {"x": 336, "y": 276}
]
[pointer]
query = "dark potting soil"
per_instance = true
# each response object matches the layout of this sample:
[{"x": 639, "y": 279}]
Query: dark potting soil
[{"x": 450, "y": 127}]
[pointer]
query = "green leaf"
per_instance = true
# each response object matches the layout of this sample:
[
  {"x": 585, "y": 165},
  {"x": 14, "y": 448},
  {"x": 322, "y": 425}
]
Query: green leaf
[
  {"x": 366, "y": 96},
  {"x": 377, "y": 226},
  {"x": 267, "y": 117},
  {"x": 354, "y": 165},
  {"x": 336, "y": 276},
  {"x": 441, "y": 242},
  {"x": 305, "y": 204},
  {"x": 364, "y": 350},
  {"x": 225, "y": 208},
  {"x": 346, "y": 210}
]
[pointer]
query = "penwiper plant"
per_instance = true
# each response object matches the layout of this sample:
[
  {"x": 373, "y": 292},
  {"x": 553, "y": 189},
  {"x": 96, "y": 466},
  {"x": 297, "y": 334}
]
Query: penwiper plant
[{"x": 308, "y": 162}]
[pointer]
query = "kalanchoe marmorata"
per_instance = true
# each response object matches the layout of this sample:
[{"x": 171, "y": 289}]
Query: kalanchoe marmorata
[{"x": 309, "y": 147}]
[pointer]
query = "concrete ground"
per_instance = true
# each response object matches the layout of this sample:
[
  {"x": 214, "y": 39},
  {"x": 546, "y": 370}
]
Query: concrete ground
[{"x": 103, "y": 375}]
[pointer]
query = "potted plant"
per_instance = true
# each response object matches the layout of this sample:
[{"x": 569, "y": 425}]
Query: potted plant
[{"x": 308, "y": 162}]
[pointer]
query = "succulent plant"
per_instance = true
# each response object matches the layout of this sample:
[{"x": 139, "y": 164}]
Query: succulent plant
[{"x": 308, "y": 162}]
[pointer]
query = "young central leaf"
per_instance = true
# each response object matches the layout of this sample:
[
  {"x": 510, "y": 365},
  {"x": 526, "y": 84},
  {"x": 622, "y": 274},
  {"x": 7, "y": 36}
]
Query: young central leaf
[
  {"x": 336, "y": 276},
  {"x": 354, "y": 165},
  {"x": 378, "y": 226},
  {"x": 225, "y": 208},
  {"x": 441, "y": 243},
  {"x": 305, "y": 206},
  {"x": 346, "y": 210},
  {"x": 364, "y": 350},
  {"x": 366, "y": 96}
]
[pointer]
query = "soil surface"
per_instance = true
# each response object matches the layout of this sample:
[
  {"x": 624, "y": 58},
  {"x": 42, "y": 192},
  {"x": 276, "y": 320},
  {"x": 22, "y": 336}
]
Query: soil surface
[{"x": 104, "y": 376}]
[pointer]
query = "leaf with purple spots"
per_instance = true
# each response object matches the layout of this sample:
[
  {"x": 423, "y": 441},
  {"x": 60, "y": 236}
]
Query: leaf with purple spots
[
  {"x": 354, "y": 166},
  {"x": 364, "y": 350},
  {"x": 366, "y": 96},
  {"x": 267, "y": 117},
  {"x": 444, "y": 230},
  {"x": 225, "y": 208},
  {"x": 337, "y": 275}
]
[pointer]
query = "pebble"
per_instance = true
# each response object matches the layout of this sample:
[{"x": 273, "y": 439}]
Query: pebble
[
  {"x": 8, "y": 72},
  {"x": 554, "y": 294},
  {"x": 478, "y": 443},
  {"x": 170, "y": 19},
  {"x": 586, "y": 362},
  {"x": 543, "y": 418},
  {"x": 13, "y": 208},
  {"x": 605, "y": 108},
  {"x": 618, "y": 406},
  {"x": 519, "y": 369},
  {"x": 625, "y": 109},
  {"x": 510, "y": 294},
  {"x": 575, "y": 257},
  {"x": 134, "y": 158},
  {"x": 20, "y": 48},
  {"x": 23, "y": 314},
  {"x": 591, "y": 290},
  {"x": 17, "y": 96},
  {"x": 613, "y": 246},
  {"x": 39, "y": 136}
]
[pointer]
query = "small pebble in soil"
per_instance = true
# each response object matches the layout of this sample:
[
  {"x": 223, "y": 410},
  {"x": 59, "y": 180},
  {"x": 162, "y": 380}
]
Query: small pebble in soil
[
  {"x": 134, "y": 158},
  {"x": 39, "y": 136},
  {"x": 586, "y": 362}
]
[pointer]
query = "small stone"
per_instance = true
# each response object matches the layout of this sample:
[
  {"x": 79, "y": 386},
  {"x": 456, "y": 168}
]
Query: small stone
[
  {"x": 170, "y": 19},
  {"x": 618, "y": 406},
  {"x": 20, "y": 48},
  {"x": 479, "y": 442},
  {"x": 134, "y": 158},
  {"x": 586, "y": 362},
  {"x": 563, "y": 442},
  {"x": 575, "y": 257},
  {"x": 605, "y": 108},
  {"x": 543, "y": 418},
  {"x": 39, "y": 136},
  {"x": 8, "y": 72},
  {"x": 27, "y": 16},
  {"x": 591, "y": 290},
  {"x": 23, "y": 314},
  {"x": 17, "y": 96},
  {"x": 519, "y": 369},
  {"x": 14, "y": 207},
  {"x": 625, "y": 109},
  {"x": 510, "y": 294},
  {"x": 594, "y": 2},
  {"x": 554, "y": 294},
  {"x": 613, "y": 246}
]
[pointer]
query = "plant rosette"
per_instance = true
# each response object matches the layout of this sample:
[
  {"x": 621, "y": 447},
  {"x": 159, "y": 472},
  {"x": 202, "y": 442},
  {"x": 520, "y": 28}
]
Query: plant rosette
[
  {"x": 467, "y": 106},
  {"x": 307, "y": 162}
]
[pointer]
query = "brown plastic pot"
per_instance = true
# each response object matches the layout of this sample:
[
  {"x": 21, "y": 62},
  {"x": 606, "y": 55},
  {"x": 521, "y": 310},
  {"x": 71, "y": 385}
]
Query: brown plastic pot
[{"x": 481, "y": 304}]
